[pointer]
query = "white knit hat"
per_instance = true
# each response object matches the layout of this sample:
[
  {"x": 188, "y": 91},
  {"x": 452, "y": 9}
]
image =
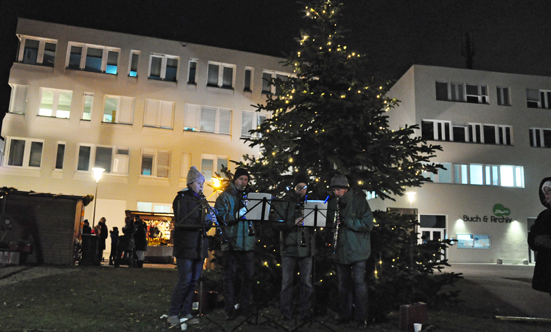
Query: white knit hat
[
  {"x": 546, "y": 184},
  {"x": 194, "y": 175}
]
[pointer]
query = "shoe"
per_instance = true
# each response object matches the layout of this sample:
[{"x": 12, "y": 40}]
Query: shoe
[
  {"x": 173, "y": 320},
  {"x": 363, "y": 324},
  {"x": 191, "y": 320}
]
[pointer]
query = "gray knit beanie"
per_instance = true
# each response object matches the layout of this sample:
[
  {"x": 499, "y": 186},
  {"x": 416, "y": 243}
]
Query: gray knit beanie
[
  {"x": 194, "y": 175},
  {"x": 339, "y": 181}
]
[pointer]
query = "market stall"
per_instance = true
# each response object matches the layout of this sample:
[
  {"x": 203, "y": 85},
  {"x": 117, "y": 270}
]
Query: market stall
[{"x": 159, "y": 235}]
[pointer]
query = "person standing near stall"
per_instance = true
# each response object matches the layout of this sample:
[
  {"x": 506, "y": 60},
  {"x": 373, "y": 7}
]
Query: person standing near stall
[
  {"x": 191, "y": 222},
  {"x": 295, "y": 248},
  {"x": 539, "y": 240},
  {"x": 238, "y": 251},
  {"x": 352, "y": 248}
]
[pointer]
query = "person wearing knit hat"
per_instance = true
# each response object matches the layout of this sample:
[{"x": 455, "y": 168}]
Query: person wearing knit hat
[
  {"x": 296, "y": 246},
  {"x": 352, "y": 248},
  {"x": 191, "y": 222},
  {"x": 539, "y": 240},
  {"x": 238, "y": 250}
]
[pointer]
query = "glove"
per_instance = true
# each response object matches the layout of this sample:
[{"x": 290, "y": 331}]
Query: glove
[
  {"x": 242, "y": 213},
  {"x": 210, "y": 218}
]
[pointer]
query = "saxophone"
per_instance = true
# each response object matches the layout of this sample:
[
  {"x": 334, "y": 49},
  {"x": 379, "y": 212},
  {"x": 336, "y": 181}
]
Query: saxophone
[{"x": 336, "y": 234}]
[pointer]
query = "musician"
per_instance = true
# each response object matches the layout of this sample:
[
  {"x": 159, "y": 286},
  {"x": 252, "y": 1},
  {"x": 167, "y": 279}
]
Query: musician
[
  {"x": 355, "y": 222},
  {"x": 295, "y": 248},
  {"x": 238, "y": 251},
  {"x": 190, "y": 220}
]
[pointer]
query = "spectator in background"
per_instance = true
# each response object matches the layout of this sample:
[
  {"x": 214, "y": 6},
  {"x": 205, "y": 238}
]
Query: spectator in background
[
  {"x": 102, "y": 237},
  {"x": 140, "y": 240},
  {"x": 539, "y": 239},
  {"x": 114, "y": 243},
  {"x": 86, "y": 229}
]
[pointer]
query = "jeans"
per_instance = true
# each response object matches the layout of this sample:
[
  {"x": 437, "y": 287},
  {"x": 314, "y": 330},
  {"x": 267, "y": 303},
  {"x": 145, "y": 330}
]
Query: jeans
[
  {"x": 245, "y": 261},
  {"x": 353, "y": 289},
  {"x": 189, "y": 272},
  {"x": 286, "y": 296}
]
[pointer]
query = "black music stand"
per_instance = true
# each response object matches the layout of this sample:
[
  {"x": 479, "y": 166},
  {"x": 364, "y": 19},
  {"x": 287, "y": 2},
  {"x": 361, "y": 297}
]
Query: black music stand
[
  {"x": 312, "y": 319},
  {"x": 265, "y": 203}
]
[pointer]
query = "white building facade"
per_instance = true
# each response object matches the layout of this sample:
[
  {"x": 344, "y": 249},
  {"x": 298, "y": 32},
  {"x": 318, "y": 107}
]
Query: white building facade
[
  {"x": 142, "y": 108},
  {"x": 495, "y": 132}
]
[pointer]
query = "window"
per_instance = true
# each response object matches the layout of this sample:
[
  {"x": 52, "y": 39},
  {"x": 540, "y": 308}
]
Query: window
[
  {"x": 512, "y": 176},
  {"x": 192, "y": 72},
  {"x": 436, "y": 130},
  {"x": 211, "y": 164},
  {"x": 220, "y": 75},
  {"x": 158, "y": 113},
  {"x": 492, "y": 175},
  {"x": 267, "y": 86},
  {"x": 248, "y": 79},
  {"x": 249, "y": 121},
  {"x": 94, "y": 58},
  {"x": 476, "y": 174},
  {"x": 540, "y": 137},
  {"x": 24, "y": 152},
  {"x": 134, "y": 57},
  {"x": 155, "y": 163},
  {"x": 443, "y": 175},
  {"x": 60, "y": 155},
  {"x": 18, "y": 98},
  {"x": 55, "y": 103},
  {"x": 118, "y": 109},
  {"x": 503, "y": 96},
  {"x": 480, "y": 174},
  {"x": 461, "y": 174},
  {"x": 36, "y": 51},
  {"x": 470, "y": 241},
  {"x": 87, "y": 102},
  {"x": 154, "y": 207},
  {"x": 163, "y": 67},
  {"x": 460, "y": 133},
  {"x": 208, "y": 119},
  {"x": 475, "y": 133},
  {"x": 538, "y": 98},
  {"x": 113, "y": 159},
  {"x": 471, "y": 93}
]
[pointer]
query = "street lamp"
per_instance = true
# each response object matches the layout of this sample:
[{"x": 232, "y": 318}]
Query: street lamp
[{"x": 97, "y": 175}]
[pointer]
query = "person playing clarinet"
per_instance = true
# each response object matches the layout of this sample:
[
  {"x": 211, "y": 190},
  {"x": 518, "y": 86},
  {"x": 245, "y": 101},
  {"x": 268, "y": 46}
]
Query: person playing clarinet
[
  {"x": 352, "y": 246},
  {"x": 190, "y": 220},
  {"x": 296, "y": 249},
  {"x": 238, "y": 250}
]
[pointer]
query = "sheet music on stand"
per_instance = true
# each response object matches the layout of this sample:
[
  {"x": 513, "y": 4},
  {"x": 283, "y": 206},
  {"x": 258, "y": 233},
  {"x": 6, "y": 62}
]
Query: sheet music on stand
[
  {"x": 257, "y": 201},
  {"x": 310, "y": 213}
]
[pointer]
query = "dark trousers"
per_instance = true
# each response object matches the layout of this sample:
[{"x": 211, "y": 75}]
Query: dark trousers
[
  {"x": 353, "y": 289},
  {"x": 189, "y": 272},
  {"x": 286, "y": 296},
  {"x": 244, "y": 260}
]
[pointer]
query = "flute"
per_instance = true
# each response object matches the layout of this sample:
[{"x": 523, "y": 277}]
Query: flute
[
  {"x": 219, "y": 222},
  {"x": 336, "y": 234}
]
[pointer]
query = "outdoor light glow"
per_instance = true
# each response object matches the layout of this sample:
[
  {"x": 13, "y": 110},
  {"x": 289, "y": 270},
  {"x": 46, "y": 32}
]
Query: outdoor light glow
[
  {"x": 97, "y": 173},
  {"x": 411, "y": 196},
  {"x": 216, "y": 183}
]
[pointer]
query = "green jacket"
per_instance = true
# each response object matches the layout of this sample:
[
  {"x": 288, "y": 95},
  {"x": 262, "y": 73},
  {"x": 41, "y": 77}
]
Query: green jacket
[
  {"x": 354, "y": 240},
  {"x": 290, "y": 237},
  {"x": 236, "y": 231}
]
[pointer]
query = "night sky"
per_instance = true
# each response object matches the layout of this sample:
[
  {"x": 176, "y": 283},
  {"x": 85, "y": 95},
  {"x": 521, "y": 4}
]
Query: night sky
[{"x": 509, "y": 35}]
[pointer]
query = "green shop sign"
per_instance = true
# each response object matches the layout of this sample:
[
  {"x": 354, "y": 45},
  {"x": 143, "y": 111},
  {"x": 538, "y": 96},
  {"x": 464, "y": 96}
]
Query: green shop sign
[{"x": 501, "y": 214}]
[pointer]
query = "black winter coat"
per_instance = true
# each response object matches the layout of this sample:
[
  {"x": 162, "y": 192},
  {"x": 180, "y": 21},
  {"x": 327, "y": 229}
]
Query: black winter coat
[
  {"x": 189, "y": 216},
  {"x": 542, "y": 272}
]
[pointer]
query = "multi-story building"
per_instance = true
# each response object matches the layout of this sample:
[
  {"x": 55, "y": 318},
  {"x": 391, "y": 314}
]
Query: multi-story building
[
  {"x": 142, "y": 108},
  {"x": 495, "y": 132}
]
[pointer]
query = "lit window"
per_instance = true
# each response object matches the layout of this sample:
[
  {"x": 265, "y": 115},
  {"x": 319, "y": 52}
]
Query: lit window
[
  {"x": 118, "y": 109},
  {"x": 55, "y": 103},
  {"x": 36, "y": 51},
  {"x": 94, "y": 58}
]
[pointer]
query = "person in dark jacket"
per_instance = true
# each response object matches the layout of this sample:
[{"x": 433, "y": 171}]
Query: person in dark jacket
[
  {"x": 539, "y": 240},
  {"x": 295, "y": 248},
  {"x": 102, "y": 236},
  {"x": 86, "y": 229},
  {"x": 140, "y": 240},
  {"x": 239, "y": 249},
  {"x": 191, "y": 222},
  {"x": 355, "y": 222},
  {"x": 114, "y": 244},
  {"x": 125, "y": 247}
]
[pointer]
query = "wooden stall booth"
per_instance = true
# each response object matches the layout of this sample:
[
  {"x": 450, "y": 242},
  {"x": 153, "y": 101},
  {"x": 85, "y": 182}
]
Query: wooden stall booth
[{"x": 159, "y": 235}]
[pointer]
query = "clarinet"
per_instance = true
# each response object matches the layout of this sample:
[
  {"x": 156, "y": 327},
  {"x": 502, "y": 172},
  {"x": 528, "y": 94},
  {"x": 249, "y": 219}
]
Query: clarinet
[
  {"x": 336, "y": 234},
  {"x": 219, "y": 222},
  {"x": 244, "y": 200},
  {"x": 303, "y": 235}
]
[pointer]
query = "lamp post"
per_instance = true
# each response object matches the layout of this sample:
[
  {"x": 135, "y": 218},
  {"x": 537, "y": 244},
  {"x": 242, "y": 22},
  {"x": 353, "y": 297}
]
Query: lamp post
[{"x": 97, "y": 175}]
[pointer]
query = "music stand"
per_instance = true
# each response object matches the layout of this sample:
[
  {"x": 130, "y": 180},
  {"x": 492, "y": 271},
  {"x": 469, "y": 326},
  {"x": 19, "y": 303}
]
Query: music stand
[
  {"x": 260, "y": 211},
  {"x": 316, "y": 213}
]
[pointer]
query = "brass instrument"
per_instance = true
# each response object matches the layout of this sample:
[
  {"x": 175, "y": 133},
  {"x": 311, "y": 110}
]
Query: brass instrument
[
  {"x": 303, "y": 235},
  {"x": 336, "y": 234},
  {"x": 219, "y": 222}
]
